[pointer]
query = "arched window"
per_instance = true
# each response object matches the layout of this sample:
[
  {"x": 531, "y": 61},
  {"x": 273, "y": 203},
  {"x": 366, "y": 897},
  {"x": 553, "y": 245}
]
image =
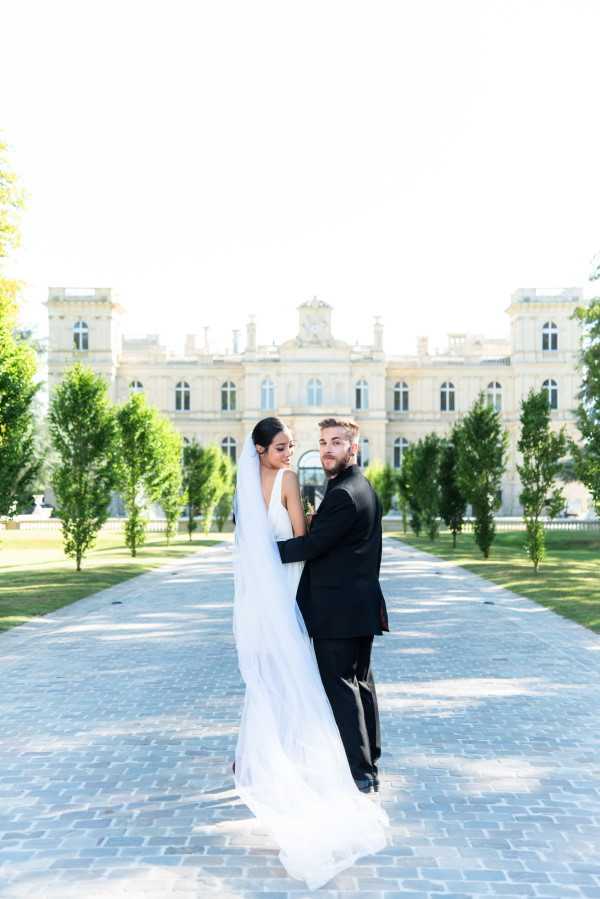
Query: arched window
[
  {"x": 400, "y": 397},
  {"x": 315, "y": 392},
  {"x": 182, "y": 397},
  {"x": 361, "y": 394},
  {"x": 494, "y": 395},
  {"x": 363, "y": 452},
  {"x": 228, "y": 392},
  {"x": 228, "y": 445},
  {"x": 447, "y": 394},
  {"x": 551, "y": 388},
  {"x": 81, "y": 336},
  {"x": 400, "y": 447},
  {"x": 136, "y": 387},
  {"x": 267, "y": 395},
  {"x": 550, "y": 336}
]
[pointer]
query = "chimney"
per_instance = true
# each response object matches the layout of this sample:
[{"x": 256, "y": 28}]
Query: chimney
[
  {"x": 206, "y": 339},
  {"x": 190, "y": 344},
  {"x": 378, "y": 334},
  {"x": 236, "y": 341},
  {"x": 422, "y": 346},
  {"x": 251, "y": 335}
]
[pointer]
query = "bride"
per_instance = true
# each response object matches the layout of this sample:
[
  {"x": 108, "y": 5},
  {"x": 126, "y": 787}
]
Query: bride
[{"x": 290, "y": 766}]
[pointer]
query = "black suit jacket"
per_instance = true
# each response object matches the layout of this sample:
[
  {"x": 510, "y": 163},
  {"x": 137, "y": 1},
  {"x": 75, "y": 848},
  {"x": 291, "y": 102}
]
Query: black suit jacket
[{"x": 339, "y": 593}]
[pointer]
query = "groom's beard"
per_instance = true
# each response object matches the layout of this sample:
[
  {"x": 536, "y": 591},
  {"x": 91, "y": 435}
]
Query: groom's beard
[{"x": 333, "y": 471}]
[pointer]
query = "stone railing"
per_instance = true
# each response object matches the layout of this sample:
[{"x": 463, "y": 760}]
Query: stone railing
[
  {"x": 393, "y": 522},
  {"x": 154, "y": 525}
]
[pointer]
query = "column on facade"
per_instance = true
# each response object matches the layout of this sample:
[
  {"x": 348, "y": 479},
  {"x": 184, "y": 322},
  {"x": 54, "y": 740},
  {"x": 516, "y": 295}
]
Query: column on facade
[{"x": 164, "y": 392}]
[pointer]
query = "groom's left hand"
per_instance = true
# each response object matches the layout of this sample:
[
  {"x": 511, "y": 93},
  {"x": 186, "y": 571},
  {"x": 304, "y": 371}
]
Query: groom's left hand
[{"x": 329, "y": 527}]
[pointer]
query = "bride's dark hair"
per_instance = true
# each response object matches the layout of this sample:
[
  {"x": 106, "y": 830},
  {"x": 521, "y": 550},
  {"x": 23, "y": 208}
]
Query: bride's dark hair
[{"x": 266, "y": 430}]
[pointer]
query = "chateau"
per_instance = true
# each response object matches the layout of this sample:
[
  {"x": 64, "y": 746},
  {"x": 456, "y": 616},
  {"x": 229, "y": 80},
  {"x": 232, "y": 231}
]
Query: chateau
[{"x": 217, "y": 398}]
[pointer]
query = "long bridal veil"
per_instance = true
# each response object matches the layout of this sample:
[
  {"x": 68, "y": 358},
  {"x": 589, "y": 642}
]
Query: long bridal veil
[{"x": 291, "y": 768}]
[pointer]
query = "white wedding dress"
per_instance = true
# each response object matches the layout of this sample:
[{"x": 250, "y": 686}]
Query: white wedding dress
[
  {"x": 281, "y": 528},
  {"x": 291, "y": 768}
]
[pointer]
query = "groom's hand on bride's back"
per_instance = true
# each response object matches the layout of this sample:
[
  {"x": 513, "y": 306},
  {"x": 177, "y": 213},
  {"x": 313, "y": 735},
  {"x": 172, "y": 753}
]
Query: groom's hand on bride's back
[{"x": 337, "y": 515}]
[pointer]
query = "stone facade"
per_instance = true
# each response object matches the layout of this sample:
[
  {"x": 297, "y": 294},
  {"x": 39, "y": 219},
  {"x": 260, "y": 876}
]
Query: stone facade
[{"x": 217, "y": 398}]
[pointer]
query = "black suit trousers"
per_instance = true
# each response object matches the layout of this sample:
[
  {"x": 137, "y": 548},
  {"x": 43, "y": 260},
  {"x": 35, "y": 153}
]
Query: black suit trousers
[{"x": 345, "y": 668}]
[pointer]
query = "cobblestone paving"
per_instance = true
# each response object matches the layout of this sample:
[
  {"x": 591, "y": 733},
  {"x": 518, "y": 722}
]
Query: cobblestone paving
[{"x": 118, "y": 723}]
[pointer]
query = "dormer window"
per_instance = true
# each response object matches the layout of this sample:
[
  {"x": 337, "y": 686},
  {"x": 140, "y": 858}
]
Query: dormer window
[
  {"x": 550, "y": 336},
  {"x": 81, "y": 336}
]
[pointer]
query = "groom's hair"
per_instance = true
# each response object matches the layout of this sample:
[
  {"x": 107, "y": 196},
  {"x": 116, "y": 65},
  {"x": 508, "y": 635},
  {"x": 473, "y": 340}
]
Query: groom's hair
[{"x": 350, "y": 427}]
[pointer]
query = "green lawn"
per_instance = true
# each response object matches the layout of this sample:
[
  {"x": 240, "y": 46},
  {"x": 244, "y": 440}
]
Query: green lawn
[
  {"x": 568, "y": 581},
  {"x": 36, "y": 578}
]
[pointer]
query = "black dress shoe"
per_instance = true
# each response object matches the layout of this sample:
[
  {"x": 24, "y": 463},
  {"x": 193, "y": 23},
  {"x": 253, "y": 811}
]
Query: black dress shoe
[
  {"x": 364, "y": 784},
  {"x": 376, "y": 785}
]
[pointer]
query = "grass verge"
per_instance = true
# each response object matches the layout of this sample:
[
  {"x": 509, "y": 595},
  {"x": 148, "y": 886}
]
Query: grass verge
[
  {"x": 568, "y": 581},
  {"x": 37, "y": 578}
]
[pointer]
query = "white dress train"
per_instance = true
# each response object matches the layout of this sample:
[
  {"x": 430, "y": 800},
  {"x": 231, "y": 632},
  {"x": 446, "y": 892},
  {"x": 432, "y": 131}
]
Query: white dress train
[{"x": 291, "y": 768}]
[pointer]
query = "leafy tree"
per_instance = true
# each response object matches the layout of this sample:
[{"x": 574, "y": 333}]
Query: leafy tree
[
  {"x": 453, "y": 503},
  {"x": 18, "y": 463},
  {"x": 140, "y": 458},
  {"x": 542, "y": 451},
  {"x": 192, "y": 483},
  {"x": 586, "y": 455},
  {"x": 402, "y": 505},
  {"x": 43, "y": 454},
  {"x": 225, "y": 503},
  {"x": 425, "y": 481},
  {"x": 211, "y": 485},
  {"x": 83, "y": 432},
  {"x": 373, "y": 473},
  {"x": 383, "y": 481},
  {"x": 482, "y": 445},
  {"x": 388, "y": 487},
  {"x": 204, "y": 482},
  {"x": 11, "y": 204},
  {"x": 407, "y": 491},
  {"x": 167, "y": 482}
]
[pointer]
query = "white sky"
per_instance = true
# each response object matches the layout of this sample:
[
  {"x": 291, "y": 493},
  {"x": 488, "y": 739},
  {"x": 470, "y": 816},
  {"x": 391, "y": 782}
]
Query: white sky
[{"x": 418, "y": 160}]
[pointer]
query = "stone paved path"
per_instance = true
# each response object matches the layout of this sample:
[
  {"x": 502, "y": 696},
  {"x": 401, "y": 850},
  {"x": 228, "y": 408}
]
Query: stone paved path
[{"x": 118, "y": 723}]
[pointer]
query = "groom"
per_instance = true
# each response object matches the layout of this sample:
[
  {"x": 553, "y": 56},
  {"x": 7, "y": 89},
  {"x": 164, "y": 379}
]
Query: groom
[{"x": 340, "y": 597}]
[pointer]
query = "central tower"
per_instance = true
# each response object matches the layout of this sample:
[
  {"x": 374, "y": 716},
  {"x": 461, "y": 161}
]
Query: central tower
[{"x": 314, "y": 323}]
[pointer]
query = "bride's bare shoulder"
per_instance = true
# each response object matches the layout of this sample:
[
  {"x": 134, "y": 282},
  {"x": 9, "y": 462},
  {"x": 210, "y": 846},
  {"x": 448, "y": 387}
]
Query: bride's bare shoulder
[{"x": 289, "y": 483}]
